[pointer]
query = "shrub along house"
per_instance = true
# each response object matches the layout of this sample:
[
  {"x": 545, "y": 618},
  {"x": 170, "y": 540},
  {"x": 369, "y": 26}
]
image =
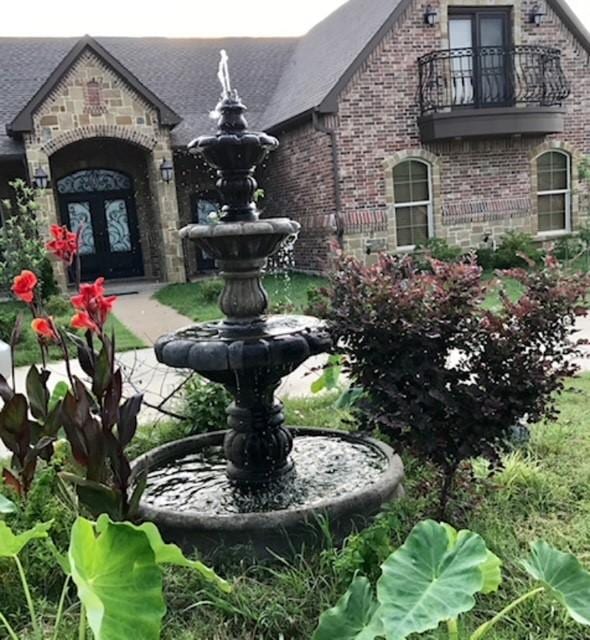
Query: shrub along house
[{"x": 399, "y": 121}]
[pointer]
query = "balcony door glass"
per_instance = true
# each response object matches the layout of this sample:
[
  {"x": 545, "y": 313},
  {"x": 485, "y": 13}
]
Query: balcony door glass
[
  {"x": 480, "y": 58},
  {"x": 461, "y": 39}
]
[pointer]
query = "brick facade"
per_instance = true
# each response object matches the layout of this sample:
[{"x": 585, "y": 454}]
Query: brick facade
[{"x": 377, "y": 125}]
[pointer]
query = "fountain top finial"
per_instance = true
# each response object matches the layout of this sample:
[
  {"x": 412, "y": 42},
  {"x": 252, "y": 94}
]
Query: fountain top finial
[{"x": 234, "y": 151}]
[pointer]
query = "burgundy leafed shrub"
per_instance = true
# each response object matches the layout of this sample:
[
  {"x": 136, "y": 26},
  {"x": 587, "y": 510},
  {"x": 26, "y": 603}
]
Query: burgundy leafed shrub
[{"x": 442, "y": 376}]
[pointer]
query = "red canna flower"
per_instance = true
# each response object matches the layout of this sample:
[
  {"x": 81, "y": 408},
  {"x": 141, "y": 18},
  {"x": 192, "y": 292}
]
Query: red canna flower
[
  {"x": 93, "y": 306},
  {"x": 82, "y": 321},
  {"x": 24, "y": 286},
  {"x": 44, "y": 328},
  {"x": 65, "y": 243}
]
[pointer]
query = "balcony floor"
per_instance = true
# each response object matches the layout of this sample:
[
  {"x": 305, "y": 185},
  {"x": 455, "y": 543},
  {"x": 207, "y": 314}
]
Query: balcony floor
[{"x": 468, "y": 122}]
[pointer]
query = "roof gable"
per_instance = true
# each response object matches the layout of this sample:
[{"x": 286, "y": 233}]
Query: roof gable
[{"x": 23, "y": 121}]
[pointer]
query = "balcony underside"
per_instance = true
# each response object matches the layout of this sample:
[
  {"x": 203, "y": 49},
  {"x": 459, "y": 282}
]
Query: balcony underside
[{"x": 492, "y": 122}]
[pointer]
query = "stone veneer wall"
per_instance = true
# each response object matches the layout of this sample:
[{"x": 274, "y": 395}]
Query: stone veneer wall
[
  {"x": 114, "y": 111},
  {"x": 377, "y": 125}
]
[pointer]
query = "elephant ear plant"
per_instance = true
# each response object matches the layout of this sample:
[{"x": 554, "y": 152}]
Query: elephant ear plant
[
  {"x": 116, "y": 568},
  {"x": 434, "y": 577},
  {"x": 97, "y": 421}
]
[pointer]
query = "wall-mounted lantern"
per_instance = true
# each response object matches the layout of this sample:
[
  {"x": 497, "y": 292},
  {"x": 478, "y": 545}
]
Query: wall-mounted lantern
[
  {"x": 40, "y": 179},
  {"x": 536, "y": 15},
  {"x": 430, "y": 16},
  {"x": 167, "y": 171}
]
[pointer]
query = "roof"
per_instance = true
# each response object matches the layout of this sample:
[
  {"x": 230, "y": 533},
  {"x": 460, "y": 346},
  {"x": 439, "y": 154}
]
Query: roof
[
  {"x": 180, "y": 73},
  {"x": 278, "y": 78}
]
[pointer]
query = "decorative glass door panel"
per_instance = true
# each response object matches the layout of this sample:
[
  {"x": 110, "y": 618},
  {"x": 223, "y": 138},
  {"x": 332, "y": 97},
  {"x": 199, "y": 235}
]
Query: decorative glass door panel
[
  {"x": 81, "y": 220},
  {"x": 106, "y": 213},
  {"x": 117, "y": 225},
  {"x": 461, "y": 72},
  {"x": 203, "y": 205}
]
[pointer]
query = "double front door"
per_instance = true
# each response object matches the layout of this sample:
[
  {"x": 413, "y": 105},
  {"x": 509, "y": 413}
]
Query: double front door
[
  {"x": 100, "y": 204},
  {"x": 481, "y": 57}
]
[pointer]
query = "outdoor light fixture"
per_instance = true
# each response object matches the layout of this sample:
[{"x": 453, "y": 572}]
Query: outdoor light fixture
[
  {"x": 430, "y": 16},
  {"x": 167, "y": 170},
  {"x": 40, "y": 179},
  {"x": 536, "y": 15}
]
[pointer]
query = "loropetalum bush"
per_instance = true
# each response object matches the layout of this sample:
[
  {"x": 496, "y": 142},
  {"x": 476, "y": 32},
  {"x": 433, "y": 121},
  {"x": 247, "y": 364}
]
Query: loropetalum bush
[
  {"x": 441, "y": 375},
  {"x": 98, "y": 422}
]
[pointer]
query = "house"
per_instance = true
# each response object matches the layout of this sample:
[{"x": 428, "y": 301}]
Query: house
[{"x": 399, "y": 121}]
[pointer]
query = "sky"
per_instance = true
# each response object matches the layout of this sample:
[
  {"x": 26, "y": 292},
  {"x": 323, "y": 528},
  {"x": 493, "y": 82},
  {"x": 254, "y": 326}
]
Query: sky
[{"x": 175, "y": 18}]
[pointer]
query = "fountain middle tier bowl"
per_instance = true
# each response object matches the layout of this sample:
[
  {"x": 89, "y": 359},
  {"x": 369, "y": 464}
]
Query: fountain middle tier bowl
[
  {"x": 274, "y": 341},
  {"x": 338, "y": 477}
]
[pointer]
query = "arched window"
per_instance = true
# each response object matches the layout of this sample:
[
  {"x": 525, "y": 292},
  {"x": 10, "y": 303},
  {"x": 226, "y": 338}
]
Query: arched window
[
  {"x": 412, "y": 194},
  {"x": 554, "y": 194}
]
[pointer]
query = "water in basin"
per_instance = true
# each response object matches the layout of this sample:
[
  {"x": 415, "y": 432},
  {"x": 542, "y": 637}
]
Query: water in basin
[{"x": 325, "y": 467}]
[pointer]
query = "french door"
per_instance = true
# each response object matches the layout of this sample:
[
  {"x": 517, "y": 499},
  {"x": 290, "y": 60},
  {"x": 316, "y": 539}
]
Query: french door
[
  {"x": 106, "y": 218},
  {"x": 480, "y": 59}
]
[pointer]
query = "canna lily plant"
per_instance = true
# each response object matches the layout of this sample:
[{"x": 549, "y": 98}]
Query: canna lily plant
[
  {"x": 96, "y": 419},
  {"x": 433, "y": 579}
]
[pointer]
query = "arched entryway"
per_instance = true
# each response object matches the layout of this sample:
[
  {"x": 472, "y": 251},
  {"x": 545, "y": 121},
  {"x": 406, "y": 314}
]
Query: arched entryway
[{"x": 101, "y": 202}]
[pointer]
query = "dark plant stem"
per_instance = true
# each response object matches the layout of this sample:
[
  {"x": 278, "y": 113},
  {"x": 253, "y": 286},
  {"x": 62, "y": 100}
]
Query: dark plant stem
[{"x": 446, "y": 489}]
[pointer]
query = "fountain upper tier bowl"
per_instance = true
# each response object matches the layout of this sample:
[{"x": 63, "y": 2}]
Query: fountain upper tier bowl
[{"x": 242, "y": 240}]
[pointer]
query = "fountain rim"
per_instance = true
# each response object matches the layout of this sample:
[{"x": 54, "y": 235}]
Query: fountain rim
[{"x": 378, "y": 492}]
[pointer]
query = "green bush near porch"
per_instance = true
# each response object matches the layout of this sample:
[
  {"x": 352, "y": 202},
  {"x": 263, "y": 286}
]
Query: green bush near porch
[
  {"x": 195, "y": 300},
  {"x": 27, "y": 352}
]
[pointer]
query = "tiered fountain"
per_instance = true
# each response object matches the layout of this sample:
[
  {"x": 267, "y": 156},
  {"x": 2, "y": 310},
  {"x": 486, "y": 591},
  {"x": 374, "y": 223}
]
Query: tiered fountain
[{"x": 259, "y": 483}]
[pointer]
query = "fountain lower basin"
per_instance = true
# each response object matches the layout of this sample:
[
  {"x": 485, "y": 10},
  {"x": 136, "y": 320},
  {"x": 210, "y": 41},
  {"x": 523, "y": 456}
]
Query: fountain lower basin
[{"x": 343, "y": 478}]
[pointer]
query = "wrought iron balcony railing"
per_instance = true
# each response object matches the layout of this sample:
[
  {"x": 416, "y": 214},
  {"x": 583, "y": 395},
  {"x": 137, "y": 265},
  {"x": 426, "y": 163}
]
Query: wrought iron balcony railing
[{"x": 491, "y": 77}]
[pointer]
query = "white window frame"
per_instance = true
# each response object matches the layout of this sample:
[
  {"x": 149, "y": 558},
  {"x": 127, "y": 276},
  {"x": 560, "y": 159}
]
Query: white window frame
[
  {"x": 428, "y": 203},
  {"x": 567, "y": 192}
]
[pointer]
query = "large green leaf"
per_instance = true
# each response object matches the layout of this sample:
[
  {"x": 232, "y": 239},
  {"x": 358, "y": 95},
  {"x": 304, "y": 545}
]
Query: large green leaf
[
  {"x": 168, "y": 553},
  {"x": 431, "y": 578},
  {"x": 351, "y": 618},
  {"x": 6, "y": 506},
  {"x": 564, "y": 577},
  {"x": 118, "y": 580},
  {"x": 11, "y": 544}
]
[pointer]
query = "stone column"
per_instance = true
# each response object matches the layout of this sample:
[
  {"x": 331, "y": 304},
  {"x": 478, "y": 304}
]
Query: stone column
[
  {"x": 47, "y": 214},
  {"x": 166, "y": 207}
]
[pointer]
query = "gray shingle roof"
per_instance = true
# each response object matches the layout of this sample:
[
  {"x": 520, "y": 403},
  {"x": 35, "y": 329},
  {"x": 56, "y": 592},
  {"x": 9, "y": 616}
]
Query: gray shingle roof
[
  {"x": 324, "y": 54},
  {"x": 181, "y": 72}
]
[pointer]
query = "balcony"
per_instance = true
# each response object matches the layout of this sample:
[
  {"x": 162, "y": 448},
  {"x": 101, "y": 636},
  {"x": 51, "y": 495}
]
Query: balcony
[{"x": 491, "y": 91}]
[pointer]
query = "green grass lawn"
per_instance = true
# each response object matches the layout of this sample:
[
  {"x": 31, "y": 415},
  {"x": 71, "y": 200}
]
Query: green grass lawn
[
  {"x": 192, "y": 300},
  {"x": 542, "y": 493},
  {"x": 290, "y": 294},
  {"x": 27, "y": 351}
]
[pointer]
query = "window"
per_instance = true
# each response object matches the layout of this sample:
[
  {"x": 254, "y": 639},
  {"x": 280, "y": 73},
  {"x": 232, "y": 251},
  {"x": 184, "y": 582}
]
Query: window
[
  {"x": 554, "y": 191},
  {"x": 413, "y": 202}
]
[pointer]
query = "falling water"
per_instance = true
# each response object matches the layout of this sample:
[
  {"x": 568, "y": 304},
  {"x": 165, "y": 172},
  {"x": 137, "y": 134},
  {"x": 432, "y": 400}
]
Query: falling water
[{"x": 281, "y": 266}]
